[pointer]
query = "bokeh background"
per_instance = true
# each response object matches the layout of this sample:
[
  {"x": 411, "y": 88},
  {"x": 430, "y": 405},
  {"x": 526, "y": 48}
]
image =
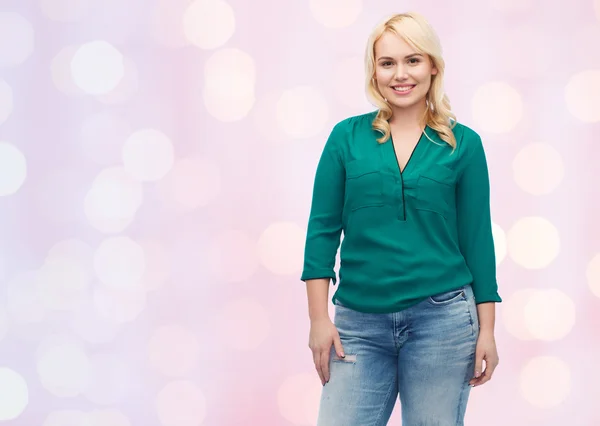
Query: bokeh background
[{"x": 156, "y": 168}]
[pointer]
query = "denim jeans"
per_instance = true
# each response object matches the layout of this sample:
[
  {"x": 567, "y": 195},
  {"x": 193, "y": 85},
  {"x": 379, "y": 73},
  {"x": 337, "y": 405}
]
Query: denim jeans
[{"x": 424, "y": 354}]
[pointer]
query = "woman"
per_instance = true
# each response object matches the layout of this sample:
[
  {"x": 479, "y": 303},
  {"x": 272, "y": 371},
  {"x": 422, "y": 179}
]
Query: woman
[{"x": 415, "y": 305}]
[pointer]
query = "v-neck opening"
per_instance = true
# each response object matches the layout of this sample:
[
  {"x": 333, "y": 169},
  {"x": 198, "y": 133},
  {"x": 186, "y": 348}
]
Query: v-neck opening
[{"x": 402, "y": 170}]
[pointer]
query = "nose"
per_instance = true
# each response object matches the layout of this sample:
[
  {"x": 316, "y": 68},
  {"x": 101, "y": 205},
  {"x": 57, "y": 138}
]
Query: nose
[{"x": 400, "y": 73}]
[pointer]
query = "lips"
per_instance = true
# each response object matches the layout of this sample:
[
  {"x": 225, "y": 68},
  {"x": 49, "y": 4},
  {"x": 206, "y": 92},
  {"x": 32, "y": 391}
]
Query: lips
[{"x": 403, "y": 89}]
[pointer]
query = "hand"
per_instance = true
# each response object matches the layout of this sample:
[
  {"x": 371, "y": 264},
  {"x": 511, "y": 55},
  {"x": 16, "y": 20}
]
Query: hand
[
  {"x": 323, "y": 334},
  {"x": 486, "y": 350}
]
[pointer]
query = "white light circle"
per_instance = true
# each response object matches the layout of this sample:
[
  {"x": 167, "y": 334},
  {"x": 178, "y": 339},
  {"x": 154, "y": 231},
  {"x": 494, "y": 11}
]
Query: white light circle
[
  {"x": 13, "y": 169},
  {"x": 97, "y": 67},
  {"x": 14, "y": 394}
]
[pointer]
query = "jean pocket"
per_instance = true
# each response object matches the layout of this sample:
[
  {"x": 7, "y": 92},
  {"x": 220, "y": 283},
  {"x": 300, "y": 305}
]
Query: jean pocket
[{"x": 447, "y": 297}]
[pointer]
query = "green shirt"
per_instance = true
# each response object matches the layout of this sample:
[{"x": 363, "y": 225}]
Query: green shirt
[{"x": 407, "y": 235}]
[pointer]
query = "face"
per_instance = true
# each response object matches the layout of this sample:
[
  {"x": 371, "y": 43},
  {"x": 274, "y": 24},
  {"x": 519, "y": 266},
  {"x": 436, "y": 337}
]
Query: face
[{"x": 402, "y": 75}]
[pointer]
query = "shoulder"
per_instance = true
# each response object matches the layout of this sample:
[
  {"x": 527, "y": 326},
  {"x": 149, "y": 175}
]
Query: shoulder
[
  {"x": 467, "y": 139},
  {"x": 356, "y": 122}
]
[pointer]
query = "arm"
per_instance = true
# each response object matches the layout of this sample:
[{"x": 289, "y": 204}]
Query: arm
[
  {"x": 325, "y": 221},
  {"x": 475, "y": 226},
  {"x": 322, "y": 242},
  {"x": 477, "y": 246}
]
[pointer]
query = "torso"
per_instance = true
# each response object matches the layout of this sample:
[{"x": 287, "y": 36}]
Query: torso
[{"x": 405, "y": 143}]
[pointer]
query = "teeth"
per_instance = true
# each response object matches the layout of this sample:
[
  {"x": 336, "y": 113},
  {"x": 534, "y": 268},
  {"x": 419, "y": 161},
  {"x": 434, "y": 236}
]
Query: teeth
[{"x": 403, "y": 89}]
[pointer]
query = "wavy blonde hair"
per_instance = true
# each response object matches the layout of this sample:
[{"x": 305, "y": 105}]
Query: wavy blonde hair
[{"x": 419, "y": 34}]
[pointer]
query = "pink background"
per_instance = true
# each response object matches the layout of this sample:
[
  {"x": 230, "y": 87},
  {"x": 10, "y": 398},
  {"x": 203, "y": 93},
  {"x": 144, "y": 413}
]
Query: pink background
[{"x": 156, "y": 168}]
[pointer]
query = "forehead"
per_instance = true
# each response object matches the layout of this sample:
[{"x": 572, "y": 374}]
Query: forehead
[{"x": 393, "y": 46}]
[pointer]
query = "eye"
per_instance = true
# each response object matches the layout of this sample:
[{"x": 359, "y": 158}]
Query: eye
[
  {"x": 386, "y": 63},
  {"x": 414, "y": 61}
]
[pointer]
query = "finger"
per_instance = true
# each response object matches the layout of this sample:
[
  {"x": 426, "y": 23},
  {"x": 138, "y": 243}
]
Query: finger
[
  {"x": 325, "y": 364},
  {"x": 478, "y": 365},
  {"x": 339, "y": 349},
  {"x": 317, "y": 360}
]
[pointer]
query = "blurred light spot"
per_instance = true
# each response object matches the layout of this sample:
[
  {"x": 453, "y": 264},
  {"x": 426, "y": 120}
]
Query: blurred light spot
[
  {"x": 6, "y": 101},
  {"x": 243, "y": 324},
  {"x": 102, "y": 137},
  {"x": 63, "y": 369},
  {"x": 16, "y": 39},
  {"x": 113, "y": 200},
  {"x": 511, "y": 5},
  {"x": 302, "y": 112},
  {"x": 148, "y": 155},
  {"x": 263, "y": 113},
  {"x": 513, "y": 313},
  {"x": 14, "y": 394},
  {"x": 229, "y": 79},
  {"x": 497, "y": 107},
  {"x": 67, "y": 418},
  {"x": 281, "y": 248},
  {"x": 181, "y": 403},
  {"x": 97, "y": 67},
  {"x": 63, "y": 283},
  {"x": 23, "y": 301},
  {"x": 119, "y": 306},
  {"x": 549, "y": 314},
  {"x": 173, "y": 351},
  {"x": 545, "y": 382},
  {"x": 13, "y": 169},
  {"x": 526, "y": 51},
  {"x": 499, "y": 243},
  {"x": 298, "y": 398},
  {"x": 208, "y": 23},
  {"x": 127, "y": 87},
  {"x": 119, "y": 262},
  {"x": 348, "y": 82},
  {"x": 110, "y": 380},
  {"x": 91, "y": 326},
  {"x": 110, "y": 417},
  {"x": 593, "y": 275},
  {"x": 538, "y": 168},
  {"x": 167, "y": 22},
  {"x": 533, "y": 242},
  {"x": 336, "y": 13},
  {"x": 158, "y": 265},
  {"x": 60, "y": 70},
  {"x": 192, "y": 182},
  {"x": 582, "y": 93},
  {"x": 232, "y": 256},
  {"x": 65, "y": 10},
  {"x": 59, "y": 195}
]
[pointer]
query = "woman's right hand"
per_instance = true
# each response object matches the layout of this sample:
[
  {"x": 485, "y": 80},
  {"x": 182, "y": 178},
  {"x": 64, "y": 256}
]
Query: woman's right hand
[{"x": 323, "y": 334}]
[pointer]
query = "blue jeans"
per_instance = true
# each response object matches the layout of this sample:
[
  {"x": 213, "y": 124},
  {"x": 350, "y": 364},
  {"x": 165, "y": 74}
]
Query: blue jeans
[{"x": 425, "y": 354}]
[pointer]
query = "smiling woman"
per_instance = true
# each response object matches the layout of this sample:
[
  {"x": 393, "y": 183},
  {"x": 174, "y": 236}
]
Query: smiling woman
[{"x": 409, "y": 188}]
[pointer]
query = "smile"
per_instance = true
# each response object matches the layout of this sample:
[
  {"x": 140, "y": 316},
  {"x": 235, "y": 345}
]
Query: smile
[{"x": 403, "y": 90}]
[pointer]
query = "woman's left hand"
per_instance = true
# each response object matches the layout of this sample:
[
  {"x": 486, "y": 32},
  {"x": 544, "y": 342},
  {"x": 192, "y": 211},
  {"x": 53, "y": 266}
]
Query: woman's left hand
[{"x": 486, "y": 350}]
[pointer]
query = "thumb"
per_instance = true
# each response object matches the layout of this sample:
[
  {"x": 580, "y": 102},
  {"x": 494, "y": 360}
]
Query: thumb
[
  {"x": 337, "y": 343},
  {"x": 478, "y": 365}
]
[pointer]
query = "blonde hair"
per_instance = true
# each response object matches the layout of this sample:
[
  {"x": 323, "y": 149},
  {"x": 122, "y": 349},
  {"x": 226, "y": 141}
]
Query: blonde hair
[{"x": 418, "y": 33}]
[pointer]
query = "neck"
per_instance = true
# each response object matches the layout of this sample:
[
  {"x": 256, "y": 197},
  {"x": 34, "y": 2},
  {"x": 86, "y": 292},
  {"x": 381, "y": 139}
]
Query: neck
[{"x": 409, "y": 118}]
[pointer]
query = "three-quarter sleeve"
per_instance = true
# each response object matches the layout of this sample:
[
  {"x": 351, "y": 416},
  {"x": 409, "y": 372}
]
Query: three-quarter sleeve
[
  {"x": 325, "y": 220},
  {"x": 474, "y": 221}
]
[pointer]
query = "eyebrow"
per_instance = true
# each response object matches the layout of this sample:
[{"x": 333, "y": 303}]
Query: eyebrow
[{"x": 406, "y": 57}]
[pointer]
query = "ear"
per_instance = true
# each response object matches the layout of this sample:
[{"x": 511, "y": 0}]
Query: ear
[{"x": 434, "y": 71}]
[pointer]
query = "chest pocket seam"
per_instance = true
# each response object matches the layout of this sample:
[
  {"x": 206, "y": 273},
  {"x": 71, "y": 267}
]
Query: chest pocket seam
[
  {"x": 434, "y": 189},
  {"x": 364, "y": 184}
]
